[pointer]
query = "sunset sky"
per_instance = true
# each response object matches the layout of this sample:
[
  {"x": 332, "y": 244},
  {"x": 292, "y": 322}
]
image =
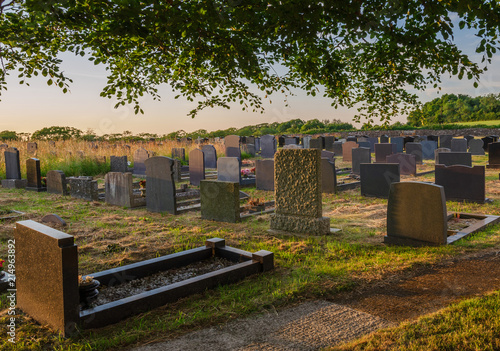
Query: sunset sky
[{"x": 26, "y": 109}]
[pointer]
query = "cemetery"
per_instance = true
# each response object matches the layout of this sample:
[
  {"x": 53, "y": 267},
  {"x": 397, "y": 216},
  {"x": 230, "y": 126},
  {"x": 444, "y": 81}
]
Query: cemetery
[{"x": 144, "y": 232}]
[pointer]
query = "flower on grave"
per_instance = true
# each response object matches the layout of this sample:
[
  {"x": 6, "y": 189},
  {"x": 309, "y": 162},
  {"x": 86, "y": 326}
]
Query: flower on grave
[
  {"x": 44, "y": 182},
  {"x": 85, "y": 280},
  {"x": 245, "y": 173},
  {"x": 142, "y": 183},
  {"x": 1, "y": 264}
]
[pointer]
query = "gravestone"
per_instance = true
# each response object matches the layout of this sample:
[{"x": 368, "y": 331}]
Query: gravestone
[
  {"x": 305, "y": 141},
  {"x": 407, "y": 163},
  {"x": 291, "y": 141},
  {"x": 118, "y": 164},
  {"x": 347, "y": 148},
  {"x": 322, "y": 138},
  {"x": 12, "y": 163},
  {"x": 54, "y": 220},
  {"x": 352, "y": 138},
  {"x": 316, "y": 143},
  {"x": 469, "y": 138},
  {"x": 47, "y": 276},
  {"x": 249, "y": 149},
  {"x": 372, "y": 141},
  {"x": 196, "y": 167},
  {"x": 257, "y": 144},
  {"x": 179, "y": 153},
  {"x": 56, "y": 183},
  {"x": 83, "y": 188},
  {"x": 32, "y": 148},
  {"x": 408, "y": 139},
  {"x": 140, "y": 157},
  {"x": 298, "y": 193},
  {"x": 337, "y": 147},
  {"x": 437, "y": 152},
  {"x": 268, "y": 146},
  {"x": 415, "y": 149},
  {"x": 220, "y": 201},
  {"x": 458, "y": 145},
  {"x": 365, "y": 144},
  {"x": 329, "y": 140},
  {"x": 428, "y": 148},
  {"x": 384, "y": 139},
  {"x": 120, "y": 192},
  {"x": 328, "y": 176},
  {"x": 34, "y": 175},
  {"x": 264, "y": 174},
  {"x": 281, "y": 141},
  {"x": 486, "y": 141},
  {"x": 210, "y": 156},
  {"x": 433, "y": 138},
  {"x": 455, "y": 158},
  {"x": 462, "y": 183},
  {"x": 250, "y": 140},
  {"x": 476, "y": 147},
  {"x": 399, "y": 142},
  {"x": 232, "y": 146},
  {"x": 292, "y": 146},
  {"x": 416, "y": 214},
  {"x": 329, "y": 155},
  {"x": 383, "y": 150},
  {"x": 445, "y": 141},
  {"x": 360, "y": 155},
  {"x": 177, "y": 171},
  {"x": 419, "y": 138},
  {"x": 493, "y": 155},
  {"x": 160, "y": 185},
  {"x": 228, "y": 169},
  {"x": 376, "y": 178}
]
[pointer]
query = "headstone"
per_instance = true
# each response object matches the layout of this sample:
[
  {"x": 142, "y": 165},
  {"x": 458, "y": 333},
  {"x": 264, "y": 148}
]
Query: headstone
[
  {"x": 292, "y": 146},
  {"x": 458, "y": 145},
  {"x": 360, "y": 155},
  {"x": 384, "y": 150},
  {"x": 281, "y": 141},
  {"x": 47, "y": 276},
  {"x": 329, "y": 140},
  {"x": 476, "y": 147},
  {"x": 305, "y": 141},
  {"x": 494, "y": 155},
  {"x": 376, "y": 178},
  {"x": 469, "y": 138},
  {"x": 249, "y": 149},
  {"x": 56, "y": 183},
  {"x": 352, "y": 138},
  {"x": 384, "y": 139},
  {"x": 264, "y": 174},
  {"x": 408, "y": 139},
  {"x": 140, "y": 157},
  {"x": 407, "y": 163},
  {"x": 419, "y": 138},
  {"x": 337, "y": 147},
  {"x": 196, "y": 167},
  {"x": 12, "y": 163},
  {"x": 328, "y": 176},
  {"x": 298, "y": 193},
  {"x": 372, "y": 141},
  {"x": 179, "y": 153},
  {"x": 220, "y": 201},
  {"x": 291, "y": 141},
  {"x": 232, "y": 146},
  {"x": 329, "y": 155},
  {"x": 428, "y": 148},
  {"x": 257, "y": 144},
  {"x": 119, "y": 190},
  {"x": 118, "y": 164},
  {"x": 32, "y": 148},
  {"x": 365, "y": 143},
  {"x": 399, "y": 142},
  {"x": 210, "y": 155},
  {"x": 316, "y": 143},
  {"x": 347, "y": 148},
  {"x": 415, "y": 149},
  {"x": 437, "y": 152},
  {"x": 54, "y": 220},
  {"x": 486, "y": 141},
  {"x": 445, "y": 141},
  {"x": 462, "y": 183},
  {"x": 34, "y": 175},
  {"x": 160, "y": 185},
  {"x": 455, "y": 158},
  {"x": 433, "y": 138},
  {"x": 177, "y": 171},
  {"x": 83, "y": 188},
  {"x": 267, "y": 146},
  {"x": 228, "y": 169},
  {"x": 416, "y": 214}
]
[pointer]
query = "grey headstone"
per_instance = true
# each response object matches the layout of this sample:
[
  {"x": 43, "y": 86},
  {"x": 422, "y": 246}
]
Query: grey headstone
[
  {"x": 376, "y": 178},
  {"x": 360, "y": 155},
  {"x": 437, "y": 152},
  {"x": 337, "y": 148},
  {"x": 264, "y": 174},
  {"x": 415, "y": 149},
  {"x": 119, "y": 189},
  {"x": 54, "y": 220},
  {"x": 399, "y": 142},
  {"x": 407, "y": 163},
  {"x": 220, "y": 201},
  {"x": 428, "y": 148},
  {"x": 352, "y": 138},
  {"x": 118, "y": 164},
  {"x": 433, "y": 138},
  {"x": 140, "y": 157},
  {"x": 257, "y": 144},
  {"x": 329, "y": 140},
  {"x": 316, "y": 143},
  {"x": 445, "y": 141},
  {"x": 249, "y": 149},
  {"x": 12, "y": 164},
  {"x": 372, "y": 141},
  {"x": 268, "y": 146},
  {"x": 83, "y": 188},
  {"x": 476, "y": 147},
  {"x": 455, "y": 158},
  {"x": 462, "y": 183},
  {"x": 160, "y": 185},
  {"x": 328, "y": 176},
  {"x": 56, "y": 183},
  {"x": 458, "y": 145},
  {"x": 416, "y": 214},
  {"x": 196, "y": 167},
  {"x": 329, "y": 155},
  {"x": 305, "y": 141},
  {"x": 210, "y": 155},
  {"x": 179, "y": 153},
  {"x": 232, "y": 146},
  {"x": 291, "y": 141},
  {"x": 228, "y": 169},
  {"x": 347, "y": 148},
  {"x": 384, "y": 139},
  {"x": 365, "y": 144},
  {"x": 384, "y": 150}
]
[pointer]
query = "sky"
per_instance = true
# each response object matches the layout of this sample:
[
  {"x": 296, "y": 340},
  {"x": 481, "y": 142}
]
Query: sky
[{"x": 30, "y": 108}]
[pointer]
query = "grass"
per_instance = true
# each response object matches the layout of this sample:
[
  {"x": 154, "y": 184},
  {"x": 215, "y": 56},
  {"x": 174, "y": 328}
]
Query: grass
[
  {"x": 485, "y": 123},
  {"x": 306, "y": 267}
]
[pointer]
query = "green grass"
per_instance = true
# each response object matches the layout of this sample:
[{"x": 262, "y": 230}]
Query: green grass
[{"x": 475, "y": 123}]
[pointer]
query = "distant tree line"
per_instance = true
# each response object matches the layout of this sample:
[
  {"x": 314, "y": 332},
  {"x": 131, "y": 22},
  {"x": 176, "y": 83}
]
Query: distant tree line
[{"x": 451, "y": 108}]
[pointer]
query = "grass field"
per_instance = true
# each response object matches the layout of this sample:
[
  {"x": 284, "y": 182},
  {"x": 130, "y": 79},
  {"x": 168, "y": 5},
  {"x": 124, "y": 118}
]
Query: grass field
[
  {"x": 307, "y": 268},
  {"x": 475, "y": 123}
]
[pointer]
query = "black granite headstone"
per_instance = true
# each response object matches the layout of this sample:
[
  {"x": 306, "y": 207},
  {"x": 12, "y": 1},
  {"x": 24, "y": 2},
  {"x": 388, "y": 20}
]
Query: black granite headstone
[
  {"x": 462, "y": 183},
  {"x": 455, "y": 158},
  {"x": 415, "y": 149}
]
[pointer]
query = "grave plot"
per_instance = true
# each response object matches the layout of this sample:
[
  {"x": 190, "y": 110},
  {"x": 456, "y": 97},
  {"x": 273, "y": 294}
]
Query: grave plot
[
  {"x": 417, "y": 216},
  {"x": 6, "y": 214},
  {"x": 44, "y": 251}
]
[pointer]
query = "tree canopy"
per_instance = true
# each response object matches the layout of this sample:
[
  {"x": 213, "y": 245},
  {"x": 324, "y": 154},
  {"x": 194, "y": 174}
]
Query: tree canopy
[{"x": 366, "y": 54}]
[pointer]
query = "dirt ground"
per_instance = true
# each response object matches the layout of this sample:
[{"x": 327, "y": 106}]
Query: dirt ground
[{"x": 318, "y": 324}]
